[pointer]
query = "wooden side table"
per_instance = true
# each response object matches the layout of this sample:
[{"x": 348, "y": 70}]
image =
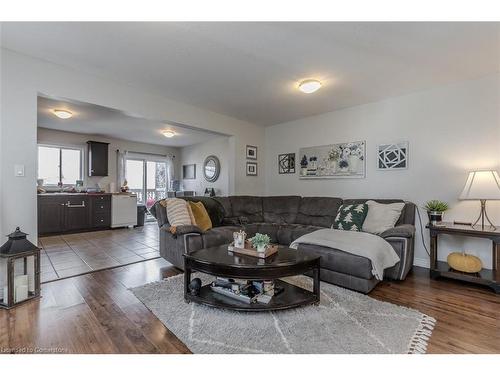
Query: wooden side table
[{"x": 486, "y": 277}]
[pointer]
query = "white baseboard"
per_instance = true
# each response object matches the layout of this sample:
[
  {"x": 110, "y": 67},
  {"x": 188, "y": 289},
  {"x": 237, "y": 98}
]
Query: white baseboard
[{"x": 422, "y": 262}]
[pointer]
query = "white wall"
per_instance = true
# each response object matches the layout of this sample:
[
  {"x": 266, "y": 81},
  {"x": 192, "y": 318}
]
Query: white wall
[
  {"x": 196, "y": 154},
  {"x": 23, "y": 78},
  {"x": 450, "y": 130},
  {"x": 50, "y": 136}
]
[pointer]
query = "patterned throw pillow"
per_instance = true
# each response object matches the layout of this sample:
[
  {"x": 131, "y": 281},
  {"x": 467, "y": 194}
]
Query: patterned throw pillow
[
  {"x": 177, "y": 212},
  {"x": 350, "y": 217}
]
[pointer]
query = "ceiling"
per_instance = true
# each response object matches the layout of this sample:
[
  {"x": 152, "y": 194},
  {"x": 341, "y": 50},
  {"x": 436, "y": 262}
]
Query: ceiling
[
  {"x": 250, "y": 70},
  {"x": 107, "y": 122}
]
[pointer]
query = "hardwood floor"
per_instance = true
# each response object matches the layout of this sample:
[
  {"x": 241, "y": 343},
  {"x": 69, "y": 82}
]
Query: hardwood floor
[{"x": 95, "y": 313}]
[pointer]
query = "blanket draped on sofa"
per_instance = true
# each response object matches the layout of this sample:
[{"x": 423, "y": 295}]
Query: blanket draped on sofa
[{"x": 379, "y": 251}]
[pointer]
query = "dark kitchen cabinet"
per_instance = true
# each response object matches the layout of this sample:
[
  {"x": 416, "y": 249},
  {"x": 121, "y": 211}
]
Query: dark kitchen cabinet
[
  {"x": 98, "y": 158},
  {"x": 76, "y": 213},
  {"x": 50, "y": 214},
  {"x": 73, "y": 213}
]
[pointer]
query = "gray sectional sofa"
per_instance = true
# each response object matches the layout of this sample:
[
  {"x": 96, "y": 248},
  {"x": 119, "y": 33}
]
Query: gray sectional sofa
[{"x": 284, "y": 219}]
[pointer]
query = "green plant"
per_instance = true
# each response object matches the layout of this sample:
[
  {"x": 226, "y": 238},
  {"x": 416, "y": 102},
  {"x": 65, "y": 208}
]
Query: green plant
[
  {"x": 436, "y": 205},
  {"x": 260, "y": 240}
]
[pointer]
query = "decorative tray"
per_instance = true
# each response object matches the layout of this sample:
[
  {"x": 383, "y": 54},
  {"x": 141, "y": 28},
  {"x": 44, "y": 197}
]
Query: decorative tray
[{"x": 250, "y": 251}]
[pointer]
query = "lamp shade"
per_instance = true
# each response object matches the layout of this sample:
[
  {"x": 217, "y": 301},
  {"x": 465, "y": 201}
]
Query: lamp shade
[{"x": 482, "y": 185}]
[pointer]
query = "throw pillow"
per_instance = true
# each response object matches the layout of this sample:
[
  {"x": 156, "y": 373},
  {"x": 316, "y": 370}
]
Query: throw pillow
[
  {"x": 177, "y": 212},
  {"x": 201, "y": 217},
  {"x": 350, "y": 217},
  {"x": 381, "y": 216}
]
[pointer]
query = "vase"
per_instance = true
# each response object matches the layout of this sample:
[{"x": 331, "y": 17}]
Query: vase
[
  {"x": 261, "y": 248},
  {"x": 303, "y": 171},
  {"x": 353, "y": 163},
  {"x": 333, "y": 166}
]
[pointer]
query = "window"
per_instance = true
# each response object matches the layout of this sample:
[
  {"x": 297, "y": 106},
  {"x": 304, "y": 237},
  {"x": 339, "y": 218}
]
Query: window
[{"x": 59, "y": 164}]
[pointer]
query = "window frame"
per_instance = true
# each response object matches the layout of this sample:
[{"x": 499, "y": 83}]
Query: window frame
[{"x": 81, "y": 149}]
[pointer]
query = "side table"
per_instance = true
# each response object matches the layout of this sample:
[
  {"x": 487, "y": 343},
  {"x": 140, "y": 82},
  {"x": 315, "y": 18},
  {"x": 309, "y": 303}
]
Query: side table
[{"x": 485, "y": 277}]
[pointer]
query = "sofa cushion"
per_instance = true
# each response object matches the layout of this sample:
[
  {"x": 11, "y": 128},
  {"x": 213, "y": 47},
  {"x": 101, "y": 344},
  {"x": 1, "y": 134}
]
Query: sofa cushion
[
  {"x": 318, "y": 211},
  {"x": 351, "y": 217},
  {"x": 340, "y": 261},
  {"x": 246, "y": 209},
  {"x": 177, "y": 212},
  {"x": 280, "y": 209},
  {"x": 264, "y": 228},
  {"x": 211, "y": 238},
  {"x": 214, "y": 208},
  {"x": 381, "y": 216},
  {"x": 201, "y": 217},
  {"x": 407, "y": 214},
  {"x": 225, "y": 202},
  {"x": 287, "y": 233}
]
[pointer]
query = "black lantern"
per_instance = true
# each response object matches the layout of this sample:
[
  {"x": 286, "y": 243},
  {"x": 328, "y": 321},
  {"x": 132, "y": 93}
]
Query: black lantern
[{"x": 19, "y": 270}]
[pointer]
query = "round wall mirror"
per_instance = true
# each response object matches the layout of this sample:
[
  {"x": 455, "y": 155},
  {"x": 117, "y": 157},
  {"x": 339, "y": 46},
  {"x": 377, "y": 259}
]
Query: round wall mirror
[{"x": 211, "y": 168}]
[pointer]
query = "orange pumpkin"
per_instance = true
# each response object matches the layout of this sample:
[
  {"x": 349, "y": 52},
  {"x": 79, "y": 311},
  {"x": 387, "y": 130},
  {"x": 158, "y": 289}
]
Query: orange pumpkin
[{"x": 464, "y": 262}]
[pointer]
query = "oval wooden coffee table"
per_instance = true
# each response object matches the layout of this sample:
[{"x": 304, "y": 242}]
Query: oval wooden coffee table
[{"x": 218, "y": 261}]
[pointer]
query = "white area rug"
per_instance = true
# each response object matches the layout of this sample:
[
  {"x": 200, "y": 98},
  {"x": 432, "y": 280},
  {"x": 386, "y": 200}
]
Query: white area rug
[{"x": 344, "y": 322}]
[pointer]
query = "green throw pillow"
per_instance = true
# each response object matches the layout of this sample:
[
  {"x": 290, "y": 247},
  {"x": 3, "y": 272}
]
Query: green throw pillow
[{"x": 350, "y": 217}]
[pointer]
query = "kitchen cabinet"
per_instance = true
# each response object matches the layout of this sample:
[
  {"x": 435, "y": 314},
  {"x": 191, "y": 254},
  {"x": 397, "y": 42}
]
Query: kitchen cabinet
[
  {"x": 50, "y": 214},
  {"x": 61, "y": 213},
  {"x": 98, "y": 158}
]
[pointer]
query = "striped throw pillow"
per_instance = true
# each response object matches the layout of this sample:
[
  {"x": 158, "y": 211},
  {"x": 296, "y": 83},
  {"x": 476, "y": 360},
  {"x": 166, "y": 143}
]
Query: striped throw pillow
[{"x": 177, "y": 212}]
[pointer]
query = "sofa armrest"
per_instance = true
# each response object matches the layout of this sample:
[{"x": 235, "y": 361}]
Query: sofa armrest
[
  {"x": 403, "y": 230},
  {"x": 182, "y": 229}
]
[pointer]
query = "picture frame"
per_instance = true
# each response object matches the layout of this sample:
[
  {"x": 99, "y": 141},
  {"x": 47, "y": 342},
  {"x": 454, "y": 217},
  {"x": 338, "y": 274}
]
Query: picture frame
[
  {"x": 189, "y": 172},
  {"x": 286, "y": 163},
  {"x": 392, "y": 156},
  {"x": 251, "y": 152},
  {"x": 339, "y": 160},
  {"x": 251, "y": 169}
]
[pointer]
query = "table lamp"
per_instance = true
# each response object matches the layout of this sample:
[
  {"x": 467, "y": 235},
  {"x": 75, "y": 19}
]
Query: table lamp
[{"x": 482, "y": 186}]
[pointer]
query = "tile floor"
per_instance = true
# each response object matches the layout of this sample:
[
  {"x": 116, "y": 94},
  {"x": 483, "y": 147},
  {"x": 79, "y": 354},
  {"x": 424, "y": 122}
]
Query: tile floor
[{"x": 73, "y": 254}]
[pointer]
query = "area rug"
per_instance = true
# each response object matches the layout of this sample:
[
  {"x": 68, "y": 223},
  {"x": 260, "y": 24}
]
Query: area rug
[{"x": 344, "y": 322}]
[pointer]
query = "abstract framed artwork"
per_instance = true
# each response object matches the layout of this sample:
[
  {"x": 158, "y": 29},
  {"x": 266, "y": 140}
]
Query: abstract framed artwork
[
  {"x": 340, "y": 160},
  {"x": 251, "y": 169},
  {"x": 286, "y": 163},
  {"x": 251, "y": 152},
  {"x": 189, "y": 172},
  {"x": 392, "y": 156}
]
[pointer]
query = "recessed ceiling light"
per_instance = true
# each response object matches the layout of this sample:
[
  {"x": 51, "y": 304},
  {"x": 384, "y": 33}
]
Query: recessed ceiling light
[
  {"x": 168, "y": 133},
  {"x": 62, "y": 113},
  {"x": 309, "y": 86}
]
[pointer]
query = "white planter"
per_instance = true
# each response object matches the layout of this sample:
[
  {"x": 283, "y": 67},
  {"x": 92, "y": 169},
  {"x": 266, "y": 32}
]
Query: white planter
[
  {"x": 353, "y": 163},
  {"x": 261, "y": 249}
]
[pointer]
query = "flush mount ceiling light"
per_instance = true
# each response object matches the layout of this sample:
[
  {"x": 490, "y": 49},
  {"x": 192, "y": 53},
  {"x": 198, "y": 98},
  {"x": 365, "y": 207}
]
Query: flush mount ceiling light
[
  {"x": 62, "y": 113},
  {"x": 309, "y": 86},
  {"x": 168, "y": 133}
]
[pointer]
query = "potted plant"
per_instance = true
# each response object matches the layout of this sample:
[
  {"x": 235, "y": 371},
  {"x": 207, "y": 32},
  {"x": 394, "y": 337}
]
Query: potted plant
[
  {"x": 260, "y": 242},
  {"x": 435, "y": 209}
]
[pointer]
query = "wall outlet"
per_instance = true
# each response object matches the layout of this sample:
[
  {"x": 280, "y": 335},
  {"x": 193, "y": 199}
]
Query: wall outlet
[{"x": 19, "y": 170}]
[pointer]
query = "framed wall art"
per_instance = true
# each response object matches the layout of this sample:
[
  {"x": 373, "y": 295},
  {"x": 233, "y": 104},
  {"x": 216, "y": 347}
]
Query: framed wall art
[
  {"x": 189, "y": 172},
  {"x": 392, "y": 156},
  {"x": 340, "y": 160},
  {"x": 251, "y": 152},
  {"x": 286, "y": 163},
  {"x": 251, "y": 169}
]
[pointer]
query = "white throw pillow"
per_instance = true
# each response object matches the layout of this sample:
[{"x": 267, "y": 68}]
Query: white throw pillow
[
  {"x": 381, "y": 217},
  {"x": 178, "y": 212}
]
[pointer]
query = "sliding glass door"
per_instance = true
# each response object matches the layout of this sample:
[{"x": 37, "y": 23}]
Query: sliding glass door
[{"x": 148, "y": 179}]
